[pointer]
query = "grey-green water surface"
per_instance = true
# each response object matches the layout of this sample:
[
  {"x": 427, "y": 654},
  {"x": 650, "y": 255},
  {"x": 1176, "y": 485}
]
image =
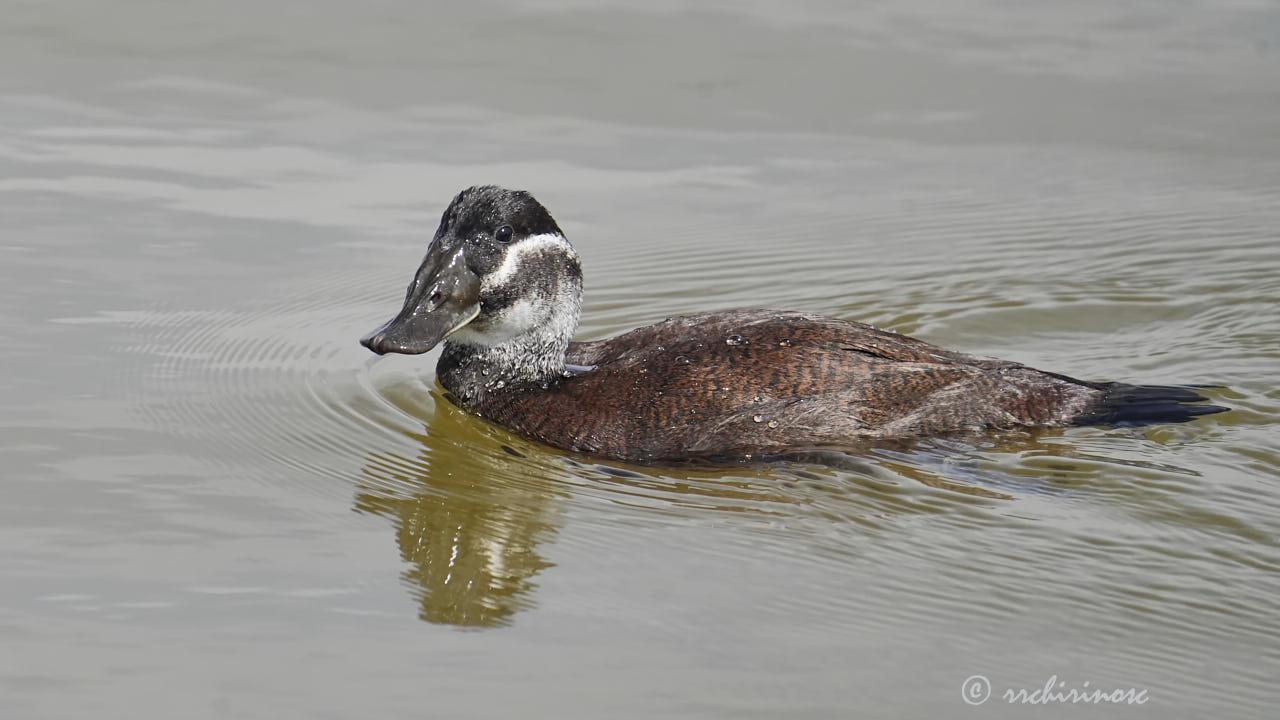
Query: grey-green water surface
[{"x": 217, "y": 505}]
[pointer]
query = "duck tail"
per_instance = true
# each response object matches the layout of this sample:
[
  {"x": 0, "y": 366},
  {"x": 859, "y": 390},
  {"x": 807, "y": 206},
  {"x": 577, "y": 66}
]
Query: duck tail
[{"x": 1124, "y": 404}]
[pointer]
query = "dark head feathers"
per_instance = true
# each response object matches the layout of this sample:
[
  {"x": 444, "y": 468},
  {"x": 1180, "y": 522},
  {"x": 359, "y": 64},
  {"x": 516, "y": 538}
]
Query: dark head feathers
[{"x": 484, "y": 208}]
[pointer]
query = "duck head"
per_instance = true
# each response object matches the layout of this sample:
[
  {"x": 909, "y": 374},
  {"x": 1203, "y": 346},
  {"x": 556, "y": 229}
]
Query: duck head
[{"x": 499, "y": 273}]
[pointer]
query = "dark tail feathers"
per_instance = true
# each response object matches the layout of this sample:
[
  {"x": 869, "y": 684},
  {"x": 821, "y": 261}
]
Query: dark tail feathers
[{"x": 1123, "y": 404}]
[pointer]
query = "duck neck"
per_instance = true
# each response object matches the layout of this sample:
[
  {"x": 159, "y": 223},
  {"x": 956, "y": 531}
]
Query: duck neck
[
  {"x": 471, "y": 371},
  {"x": 476, "y": 364}
]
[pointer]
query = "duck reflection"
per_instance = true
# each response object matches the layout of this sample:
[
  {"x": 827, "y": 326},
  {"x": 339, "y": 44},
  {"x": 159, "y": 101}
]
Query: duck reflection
[
  {"x": 470, "y": 510},
  {"x": 468, "y": 520}
]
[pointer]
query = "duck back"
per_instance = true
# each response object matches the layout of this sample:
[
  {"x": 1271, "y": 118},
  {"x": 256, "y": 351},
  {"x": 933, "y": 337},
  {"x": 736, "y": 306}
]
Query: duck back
[{"x": 755, "y": 382}]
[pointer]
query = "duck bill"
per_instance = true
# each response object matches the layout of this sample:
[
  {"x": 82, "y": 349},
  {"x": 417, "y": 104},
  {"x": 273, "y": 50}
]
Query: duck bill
[{"x": 443, "y": 298}]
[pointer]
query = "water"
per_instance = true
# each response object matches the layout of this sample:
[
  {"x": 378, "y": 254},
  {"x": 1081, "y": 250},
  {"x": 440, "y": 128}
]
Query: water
[{"x": 217, "y": 505}]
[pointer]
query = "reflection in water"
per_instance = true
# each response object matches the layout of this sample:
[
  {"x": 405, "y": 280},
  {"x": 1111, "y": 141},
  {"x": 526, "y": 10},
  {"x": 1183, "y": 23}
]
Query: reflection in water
[
  {"x": 467, "y": 526},
  {"x": 471, "y": 511}
]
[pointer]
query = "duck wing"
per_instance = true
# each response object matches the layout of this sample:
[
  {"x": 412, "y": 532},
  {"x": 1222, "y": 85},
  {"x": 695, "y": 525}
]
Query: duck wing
[{"x": 760, "y": 382}]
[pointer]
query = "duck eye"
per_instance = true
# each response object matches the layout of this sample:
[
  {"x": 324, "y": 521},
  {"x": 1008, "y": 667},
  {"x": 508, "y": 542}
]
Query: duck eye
[{"x": 503, "y": 234}]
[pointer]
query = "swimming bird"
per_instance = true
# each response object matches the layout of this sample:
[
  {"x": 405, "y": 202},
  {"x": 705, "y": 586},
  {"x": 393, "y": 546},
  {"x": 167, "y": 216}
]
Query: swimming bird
[{"x": 501, "y": 287}]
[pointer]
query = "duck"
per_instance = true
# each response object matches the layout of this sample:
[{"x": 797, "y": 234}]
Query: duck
[{"x": 501, "y": 288}]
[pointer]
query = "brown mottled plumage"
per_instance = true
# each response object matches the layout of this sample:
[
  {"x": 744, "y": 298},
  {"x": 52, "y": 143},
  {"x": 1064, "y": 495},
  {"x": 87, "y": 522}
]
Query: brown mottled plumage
[
  {"x": 502, "y": 283},
  {"x": 754, "y": 382}
]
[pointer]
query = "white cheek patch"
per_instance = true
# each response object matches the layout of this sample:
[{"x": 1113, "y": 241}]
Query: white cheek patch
[
  {"x": 530, "y": 245},
  {"x": 522, "y": 317},
  {"x": 534, "y": 317}
]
